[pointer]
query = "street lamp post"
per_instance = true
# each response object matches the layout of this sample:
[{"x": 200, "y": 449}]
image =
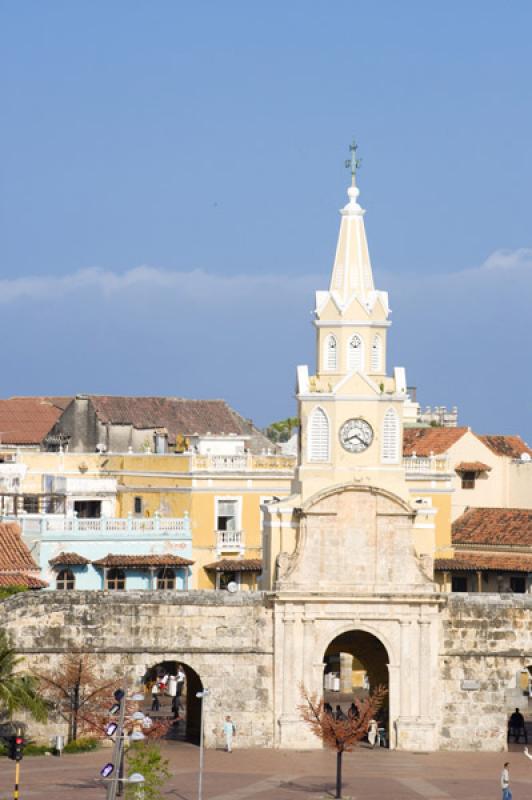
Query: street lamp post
[{"x": 201, "y": 695}]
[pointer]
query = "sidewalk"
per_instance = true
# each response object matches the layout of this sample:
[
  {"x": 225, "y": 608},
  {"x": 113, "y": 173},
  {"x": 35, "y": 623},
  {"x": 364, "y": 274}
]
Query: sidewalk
[{"x": 287, "y": 775}]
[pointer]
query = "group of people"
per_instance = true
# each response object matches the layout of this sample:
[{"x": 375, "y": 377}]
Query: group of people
[
  {"x": 376, "y": 735},
  {"x": 171, "y": 685}
]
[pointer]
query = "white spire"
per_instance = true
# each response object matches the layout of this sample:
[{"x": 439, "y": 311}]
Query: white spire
[{"x": 352, "y": 275}]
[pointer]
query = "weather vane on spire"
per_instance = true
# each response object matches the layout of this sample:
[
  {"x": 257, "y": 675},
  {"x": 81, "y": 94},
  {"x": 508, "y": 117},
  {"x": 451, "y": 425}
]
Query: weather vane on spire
[{"x": 353, "y": 163}]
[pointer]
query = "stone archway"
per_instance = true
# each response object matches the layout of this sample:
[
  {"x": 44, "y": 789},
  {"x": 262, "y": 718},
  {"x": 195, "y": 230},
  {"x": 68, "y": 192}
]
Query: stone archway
[
  {"x": 184, "y": 707},
  {"x": 355, "y": 663}
]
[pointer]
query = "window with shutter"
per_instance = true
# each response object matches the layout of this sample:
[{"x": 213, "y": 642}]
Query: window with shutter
[
  {"x": 390, "y": 437},
  {"x": 227, "y": 515},
  {"x": 376, "y": 354},
  {"x": 318, "y": 436},
  {"x": 355, "y": 354},
  {"x": 330, "y": 352}
]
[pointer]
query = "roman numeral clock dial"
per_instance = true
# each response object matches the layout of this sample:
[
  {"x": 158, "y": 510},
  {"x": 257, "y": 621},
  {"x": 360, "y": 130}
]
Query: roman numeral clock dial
[{"x": 356, "y": 435}]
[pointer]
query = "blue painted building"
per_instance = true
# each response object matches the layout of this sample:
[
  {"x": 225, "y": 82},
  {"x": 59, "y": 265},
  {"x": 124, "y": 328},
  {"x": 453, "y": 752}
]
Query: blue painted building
[{"x": 111, "y": 553}]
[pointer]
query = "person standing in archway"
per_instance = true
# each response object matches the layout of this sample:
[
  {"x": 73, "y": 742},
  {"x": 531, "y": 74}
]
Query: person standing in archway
[{"x": 155, "y": 696}]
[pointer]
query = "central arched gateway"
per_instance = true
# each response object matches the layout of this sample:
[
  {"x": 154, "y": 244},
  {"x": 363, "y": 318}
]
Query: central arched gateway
[
  {"x": 355, "y": 664},
  {"x": 174, "y": 702}
]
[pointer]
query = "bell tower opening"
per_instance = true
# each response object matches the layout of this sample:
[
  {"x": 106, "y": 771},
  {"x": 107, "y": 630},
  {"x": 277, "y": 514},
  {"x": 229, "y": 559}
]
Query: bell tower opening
[{"x": 356, "y": 663}]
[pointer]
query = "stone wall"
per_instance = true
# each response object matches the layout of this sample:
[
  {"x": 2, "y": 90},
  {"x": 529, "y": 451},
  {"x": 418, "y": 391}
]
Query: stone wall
[
  {"x": 226, "y": 639},
  {"x": 486, "y": 640}
]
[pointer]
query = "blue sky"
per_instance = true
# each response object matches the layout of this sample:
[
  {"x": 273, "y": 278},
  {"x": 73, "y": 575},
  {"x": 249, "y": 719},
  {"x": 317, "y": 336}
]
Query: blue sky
[{"x": 171, "y": 177}]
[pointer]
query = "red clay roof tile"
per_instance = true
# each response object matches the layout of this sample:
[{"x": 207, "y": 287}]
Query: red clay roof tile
[
  {"x": 27, "y": 420},
  {"x": 511, "y": 446},
  {"x": 424, "y": 441},
  {"x": 471, "y": 562},
  {"x": 494, "y": 526},
  {"x": 151, "y": 560},
  {"x": 235, "y": 565}
]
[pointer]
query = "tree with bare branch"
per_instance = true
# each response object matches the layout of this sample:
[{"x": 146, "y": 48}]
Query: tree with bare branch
[
  {"x": 340, "y": 733},
  {"x": 74, "y": 691}
]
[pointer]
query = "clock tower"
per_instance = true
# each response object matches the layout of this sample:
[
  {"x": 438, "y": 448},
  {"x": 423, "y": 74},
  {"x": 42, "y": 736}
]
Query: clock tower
[
  {"x": 351, "y": 410},
  {"x": 349, "y": 591}
]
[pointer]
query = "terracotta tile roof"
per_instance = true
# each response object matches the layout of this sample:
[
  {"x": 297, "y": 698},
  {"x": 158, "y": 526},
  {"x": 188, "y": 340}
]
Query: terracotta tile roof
[
  {"x": 69, "y": 559},
  {"x": 511, "y": 446},
  {"x": 17, "y": 567},
  {"x": 472, "y": 466},
  {"x": 494, "y": 526},
  {"x": 152, "y": 560},
  {"x": 179, "y": 416},
  {"x": 14, "y": 553},
  {"x": 471, "y": 562},
  {"x": 235, "y": 565},
  {"x": 9, "y": 579},
  {"x": 27, "y": 420},
  {"x": 424, "y": 441}
]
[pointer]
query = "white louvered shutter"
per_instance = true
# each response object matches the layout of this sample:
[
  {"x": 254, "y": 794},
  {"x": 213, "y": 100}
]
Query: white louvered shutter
[
  {"x": 330, "y": 352},
  {"x": 376, "y": 353},
  {"x": 390, "y": 437},
  {"x": 319, "y": 436},
  {"x": 355, "y": 354}
]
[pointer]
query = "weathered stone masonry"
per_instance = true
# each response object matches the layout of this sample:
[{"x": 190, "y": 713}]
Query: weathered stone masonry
[
  {"x": 228, "y": 640},
  {"x": 485, "y": 640}
]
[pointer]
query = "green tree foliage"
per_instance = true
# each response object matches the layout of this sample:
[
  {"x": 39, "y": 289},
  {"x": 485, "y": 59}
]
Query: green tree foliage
[
  {"x": 7, "y": 591},
  {"x": 146, "y": 758},
  {"x": 282, "y": 430},
  {"x": 18, "y": 692}
]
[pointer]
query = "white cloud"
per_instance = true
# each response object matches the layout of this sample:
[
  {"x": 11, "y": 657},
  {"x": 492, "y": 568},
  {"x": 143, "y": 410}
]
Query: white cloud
[{"x": 194, "y": 285}]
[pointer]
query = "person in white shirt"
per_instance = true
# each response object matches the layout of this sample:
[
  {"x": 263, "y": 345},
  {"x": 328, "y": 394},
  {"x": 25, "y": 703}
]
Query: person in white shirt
[{"x": 505, "y": 782}]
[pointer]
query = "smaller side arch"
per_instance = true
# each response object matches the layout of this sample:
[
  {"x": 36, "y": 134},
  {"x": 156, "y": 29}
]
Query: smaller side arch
[
  {"x": 318, "y": 445},
  {"x": 331, "y": 352}
]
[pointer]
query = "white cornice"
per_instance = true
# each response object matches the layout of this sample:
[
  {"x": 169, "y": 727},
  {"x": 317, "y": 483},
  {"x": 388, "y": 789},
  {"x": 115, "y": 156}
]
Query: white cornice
[
  {"x": 351, "y": 323},
  {"x": 318, "y": 397}
]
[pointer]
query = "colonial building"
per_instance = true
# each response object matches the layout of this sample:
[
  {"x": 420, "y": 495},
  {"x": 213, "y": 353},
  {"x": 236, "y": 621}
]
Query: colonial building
[{"x": 218, "y": 484}]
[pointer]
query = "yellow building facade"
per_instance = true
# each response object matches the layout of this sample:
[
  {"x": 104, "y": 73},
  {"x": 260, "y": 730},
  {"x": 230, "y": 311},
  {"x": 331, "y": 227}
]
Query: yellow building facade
[{"x": 221, "y": 495}]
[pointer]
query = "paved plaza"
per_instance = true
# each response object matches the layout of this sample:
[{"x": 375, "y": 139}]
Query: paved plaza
[{"x": 286, "y": 775}]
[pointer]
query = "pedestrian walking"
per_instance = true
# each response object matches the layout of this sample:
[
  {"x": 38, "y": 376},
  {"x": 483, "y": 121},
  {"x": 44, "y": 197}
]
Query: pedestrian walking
[
  {"x": 180, "y": 680},
  {"x": 155, "y": 697},
  {"x": 505, "y": 782},
  {"x": 373, "y": 730},
  {"x": 229, "y": 732}
]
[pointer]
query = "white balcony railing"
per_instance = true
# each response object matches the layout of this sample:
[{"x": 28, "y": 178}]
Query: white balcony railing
[
  {"x": 417, "y": 465},
  {"x": 176, "y": 527},
  {"x": 242, "y": 462},
  {"x": 229, "y": 541}
]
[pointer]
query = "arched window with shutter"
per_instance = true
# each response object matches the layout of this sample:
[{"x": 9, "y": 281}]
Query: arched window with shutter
[
  {"x": 376, "y": 354},
  {"x": 355, "y": 354},
  {"x": 331, "y": 350},
  {"x": 390, "y": 437},
  {"x": 318, "y": 436}
]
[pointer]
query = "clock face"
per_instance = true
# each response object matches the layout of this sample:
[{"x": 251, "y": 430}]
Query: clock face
[{"x": 356, "y": 435}]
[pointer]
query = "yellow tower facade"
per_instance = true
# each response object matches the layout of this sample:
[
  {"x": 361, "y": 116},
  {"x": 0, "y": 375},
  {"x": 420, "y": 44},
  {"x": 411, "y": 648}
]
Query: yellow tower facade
[{"x": 351, "y": 410}]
